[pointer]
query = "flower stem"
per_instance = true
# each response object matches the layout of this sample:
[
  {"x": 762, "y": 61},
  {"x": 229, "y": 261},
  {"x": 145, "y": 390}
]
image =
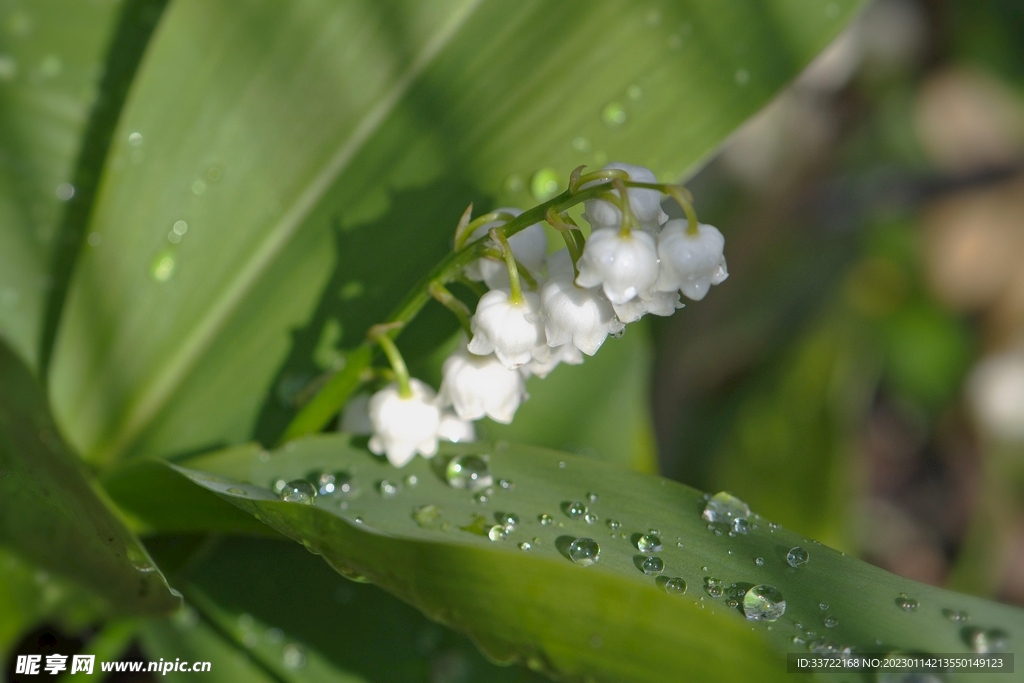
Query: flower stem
[
  {"x": 516, "y": 295},
  {"x": 628, "y": 219},
  {"x": 381, "y": 334},
  {"x": 336, "y": 391},
  {"x": 452, "y": 303},
  {"x": 570, "y": 232}
]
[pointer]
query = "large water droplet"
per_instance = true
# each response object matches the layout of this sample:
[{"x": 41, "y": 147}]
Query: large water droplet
[
  {"x": 759, "y": 561},
  {"x": 544, "y": 184},
  {"x": 497, "y": 532},
  {"x": 653, "y": 565},
  {"x": 991, "y": 640},
  {"x": 763, "y": 603},
  {"x": 469, "y": 472},
  {"x": 427, "y": 516},
  {"x": 675, "y": 586},
  {"x": 584, "y": 551},
  {"x": 613, "y": 115},
  {"x": 649, "y": 543},
  {"x": 298, "y": 491},
  {"x": 906, "y": 604},
  {"x": 724, "y": 508},
  {"x": 796, "y": 557},
  {"x": 525, "y": 545},
  {"x": 576, "y": 510}
]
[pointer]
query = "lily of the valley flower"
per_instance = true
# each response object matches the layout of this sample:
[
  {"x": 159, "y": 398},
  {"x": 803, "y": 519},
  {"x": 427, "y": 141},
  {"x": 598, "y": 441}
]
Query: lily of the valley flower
[
  {"x": 404, "y": 426},
  {"x": 476, "y": 386},
  {"x": 566, "y": 353},
  {"x": 624, "y": 266},
  {"x": 645, "y": 204},
  {"x": 511, "y": 330},
  {"x": 529, "y": 246},
  {"x": 575, "y": 315},
  {"x": 456, "y": 430},
  {"x": 690, "y": 262},
  {"x": 657, "y": 303}
]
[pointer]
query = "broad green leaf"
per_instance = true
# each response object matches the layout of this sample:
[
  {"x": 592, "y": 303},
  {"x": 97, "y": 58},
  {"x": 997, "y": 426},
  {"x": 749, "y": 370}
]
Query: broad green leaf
[
  {"x": 608, "y": 620},
  {"x": 50, "y": 513},
  {"x": 316, "y": 155},
  {"x": 51, "y": 60},
  {"x": 614, "y": 425},
  {"x": 250, "y": 587}
]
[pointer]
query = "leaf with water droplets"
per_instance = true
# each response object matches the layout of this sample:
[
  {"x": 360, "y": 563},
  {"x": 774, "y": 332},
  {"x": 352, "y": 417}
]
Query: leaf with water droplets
[{"x": 455, "y": 570}]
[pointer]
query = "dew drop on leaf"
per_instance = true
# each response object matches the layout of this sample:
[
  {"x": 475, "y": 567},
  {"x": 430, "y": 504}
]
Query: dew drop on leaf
[
  {"x": 724, "y": 508},
  {"x": 796, "y": 557},
  {"x": 388, "y": 489},
  {"x": 298, "y": 491},
  {"x": 469, "y": 472},
  {"x": 675, "y": 586},
  {"x": 906, "y": 604},
  {"x": 763, "y": 603},
  {"x": 649, "y": 543},
  {"x": 584, "y": 551},
  {"x": 653, "y": 565}
]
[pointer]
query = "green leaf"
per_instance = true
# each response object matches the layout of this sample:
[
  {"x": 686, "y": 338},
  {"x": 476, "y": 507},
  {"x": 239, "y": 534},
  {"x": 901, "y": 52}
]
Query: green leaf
[
  {"x": 318, "y": 155},
  {"x": 609, "y": 620},
  {"x": 51, "y": 514},
  {"x": 51, "y": 63}
]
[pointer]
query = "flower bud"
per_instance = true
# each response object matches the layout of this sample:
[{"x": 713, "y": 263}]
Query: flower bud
[
  {"x": 403, "y": 427},
  {"x": 511, "y": 331},
  {"x": 691, "y": 263},
  {"x": 646, "y": 204},
  {"x": 624, "y": 266},
  {"x": 476, "y": 386}
]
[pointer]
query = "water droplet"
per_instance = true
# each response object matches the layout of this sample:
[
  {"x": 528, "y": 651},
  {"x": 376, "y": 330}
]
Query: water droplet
[
  {"x": 796, "y": 557},
  {"x": 759, "y": 561},
  {"x": 992, "y": 640},
  {"x": 584, "y": 551},
  {"x": 481, "y": 498},
  {"x": 906, "y": 604},
  {"x": 65, "y": 191},
  {"x": 135, "y": 139},
  {"x": 525, "y": 545},
  {"x": 328, "y": 483},
  {"x": 724, "y": 508},
  {"x": 763, "y": 603},
  {"x": 412, "y": 480},
  {"x": 561, "y": 464},
  {"x": 179, "y": 228},
  {"x": 823, "y": 606},
  {"x": 469, "y": 472},
  {"x": 675, "y": 586},
  {"x": 358, "y": 519},
  {"x": 198, "y": 187},
  {"x": 591, "y": 497},
  {"x": 544, "y": 184},
  {"x": 293, "y": 657},
  {"x": 713, "y": 586},
  {"x": 506, "y": 484},
  {"x": 427, "y": 516},
  {"x": 546, "y": 519},
  {"x": 955, "y": 616},
  {"x": 653, "y": 565},
  {"x": 581, "y": 144},
  {"x": 509, "y": 519},
  {"x": 648, "y": 543},
  {"x": 590, "y": 518},
  {"x": 613, "y": 524},
  {"x": 497, "y": 532},
  {"x": 298, "y": 491},
  {"x": 163, "y": 266},
  {"x": 388, "y": 489},
  {"x": 235, "y": 491},
  {"x": 740, "y": 526},
  {"x": 742, "y": 76},
  {"x": 613, "y": 115},
  {"x": 797, "y": 640},
  {"x": 830, "y": 622},
  {"x": 576, "y": 510}
]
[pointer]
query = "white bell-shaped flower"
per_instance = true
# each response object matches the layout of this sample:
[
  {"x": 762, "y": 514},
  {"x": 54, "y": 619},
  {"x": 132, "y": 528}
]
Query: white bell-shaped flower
[
  {"x": 566, "y": 353},
  {"x": 691, "y": 263},
  {"x": 403, "y": 427},
  {"x": 529, "y": 246},
  {"x": 573, "y": 314},
  {"x": 355, "y": 418},
  {"x": 476, "y": 386},
  {"x": 455, "y": 430},
  {"x": 646, "y": 204},
  {"x": 511, "y": 331},
  {"x": 623, "y": 266},
  {"x": 658, "y": 303}
]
